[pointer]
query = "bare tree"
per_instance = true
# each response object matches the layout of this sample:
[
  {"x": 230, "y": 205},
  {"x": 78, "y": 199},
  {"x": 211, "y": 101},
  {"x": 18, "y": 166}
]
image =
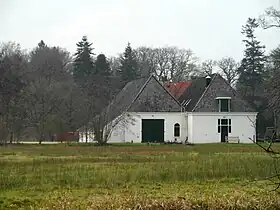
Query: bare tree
[
  {"x": 41, "y": 100},
  {"x": 46, "y": 79},
  {"x": 98, "y": 93},
  {"x": 167, "y": 62},
  {"x": 72, "y": 106},
  {"x": 275, "y": 155},
  {"x": 12, "y": 63},
  {"x": 207, "y": 67},
  {"x": 115, "y": 64},
  {"x": 270, "y": 18},
  {"x": 146, "y": 60},
  {"x": 104, "y": 126},
  {"x": 229, "y": 69},
  {"x": 10, "y": 49},
  {"x": 182, "y": 64},
  {"x": 267, "y": 147}
]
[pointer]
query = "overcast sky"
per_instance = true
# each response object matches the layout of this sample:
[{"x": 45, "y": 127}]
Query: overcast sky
[{"x": 210, "y": 28}]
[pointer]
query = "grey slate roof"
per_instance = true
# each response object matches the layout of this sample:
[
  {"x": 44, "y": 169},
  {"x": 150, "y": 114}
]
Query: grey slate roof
[
  {"x": 194, "y": 92},
  {"x": 146, "y": 94},
  {"x": 202, "y": 98},
  {"x": 124, "y": 98}
]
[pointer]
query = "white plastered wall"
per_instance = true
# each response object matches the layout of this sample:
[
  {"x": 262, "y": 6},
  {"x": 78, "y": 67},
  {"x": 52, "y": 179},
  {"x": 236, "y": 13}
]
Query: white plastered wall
[
  {"x": 132, "y": 129},
  {"x": 203, "y": 127}
]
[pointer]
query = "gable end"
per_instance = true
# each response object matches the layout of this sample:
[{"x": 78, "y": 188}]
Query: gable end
[
  {"x": 154, "y": 97},
  {"x": 219, "y": 87}
]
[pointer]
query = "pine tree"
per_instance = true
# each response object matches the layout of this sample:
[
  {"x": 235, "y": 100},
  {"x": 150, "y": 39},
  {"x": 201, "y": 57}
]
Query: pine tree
[
  {"x": 83, "y": 62},
  {"x": 129, "y": 66},
  {"x": 102, "y": 66},
  {"x": 252, "y": 65},
  {"x": 41, "y": 44}
]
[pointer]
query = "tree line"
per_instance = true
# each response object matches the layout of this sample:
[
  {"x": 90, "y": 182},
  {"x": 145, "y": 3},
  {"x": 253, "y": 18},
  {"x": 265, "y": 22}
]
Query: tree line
[{"x": 48, "y": 90}]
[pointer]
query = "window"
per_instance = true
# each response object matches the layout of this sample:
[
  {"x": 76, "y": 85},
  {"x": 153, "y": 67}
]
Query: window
[
  {"x": 177, "y": 130},
  {"x": 224, "y": 123},
  {"x": 223, "y": 104}
]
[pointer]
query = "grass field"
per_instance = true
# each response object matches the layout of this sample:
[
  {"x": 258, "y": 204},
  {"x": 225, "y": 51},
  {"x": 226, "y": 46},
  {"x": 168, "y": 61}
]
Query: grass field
[{"x": 214, "y": 176}]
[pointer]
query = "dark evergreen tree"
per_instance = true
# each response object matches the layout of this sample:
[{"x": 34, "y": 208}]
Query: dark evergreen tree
[
  {"x": 252, "y": 69},
  {"x": 129, "y": 66},
  {"x": 275, "y": 58},
  {"x": 83, "y": 62},
  {"x": 102, "y": 66},
  {"x": 273, "y": 91},
  {"x": 41, "y": 44}
]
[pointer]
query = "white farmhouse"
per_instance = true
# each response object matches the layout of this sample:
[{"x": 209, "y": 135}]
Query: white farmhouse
[{"x": 203, "y": 110}]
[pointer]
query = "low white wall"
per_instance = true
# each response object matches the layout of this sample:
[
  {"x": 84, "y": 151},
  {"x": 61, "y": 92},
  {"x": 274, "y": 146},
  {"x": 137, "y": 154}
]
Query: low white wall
[
  {"x": 203, "y": 127},
  {"x": 131, "y": 131},
  {"x": 118, "y": 130},
  {"x": 82, "y": 137}
]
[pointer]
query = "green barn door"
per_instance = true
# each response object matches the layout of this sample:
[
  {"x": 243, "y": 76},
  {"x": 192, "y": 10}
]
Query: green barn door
[{"x": 152, "y": 130}]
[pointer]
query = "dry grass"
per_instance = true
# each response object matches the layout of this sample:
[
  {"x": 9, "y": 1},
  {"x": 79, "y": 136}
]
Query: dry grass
[{"x": 136, "y": 177}]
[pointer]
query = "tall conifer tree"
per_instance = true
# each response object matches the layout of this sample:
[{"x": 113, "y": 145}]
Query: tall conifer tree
[
  {"x": 129, "y": 66},
  {"x": 252, "y": 69},
  {"x": 83, "y": 62}
]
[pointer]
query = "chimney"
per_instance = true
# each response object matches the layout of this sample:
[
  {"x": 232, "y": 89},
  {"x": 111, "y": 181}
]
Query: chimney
[
  {"x": 164, "y": 78},
  {"x": 165, "y": 81},
  {"x": 193, "y": 77},
  {"x": 208, "y": 80}
]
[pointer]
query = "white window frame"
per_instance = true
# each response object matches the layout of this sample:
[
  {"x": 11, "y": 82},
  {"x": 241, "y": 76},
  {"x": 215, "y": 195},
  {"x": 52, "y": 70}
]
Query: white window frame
[
  {"x": 177, "y": 126},
  {"x": 228, "y": 124},
  {"x": 224, "y": 98}
]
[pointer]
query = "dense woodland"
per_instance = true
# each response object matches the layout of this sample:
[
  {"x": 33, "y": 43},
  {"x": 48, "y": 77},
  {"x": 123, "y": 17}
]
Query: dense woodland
[{"x": 48, "y": 91}]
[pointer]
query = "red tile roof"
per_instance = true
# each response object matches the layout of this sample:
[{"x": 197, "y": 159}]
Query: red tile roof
[{"x": 177, "y": 88}]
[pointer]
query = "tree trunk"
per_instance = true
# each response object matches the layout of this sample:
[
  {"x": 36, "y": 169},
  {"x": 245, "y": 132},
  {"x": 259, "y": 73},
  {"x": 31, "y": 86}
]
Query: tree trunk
[
  {"x": 11, "y": 137},
  {"x": 275, "y": 115},
  {"x": 41, "y": 138},
  {"x": 86, "y": 134}
]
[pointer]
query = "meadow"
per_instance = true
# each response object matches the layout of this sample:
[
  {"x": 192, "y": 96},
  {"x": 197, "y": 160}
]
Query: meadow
[{"x": 134, "y": 176}]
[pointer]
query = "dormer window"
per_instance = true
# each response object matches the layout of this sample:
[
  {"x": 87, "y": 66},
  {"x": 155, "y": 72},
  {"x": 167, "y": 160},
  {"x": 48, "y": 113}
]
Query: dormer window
[{"x": 224, "y": 104}]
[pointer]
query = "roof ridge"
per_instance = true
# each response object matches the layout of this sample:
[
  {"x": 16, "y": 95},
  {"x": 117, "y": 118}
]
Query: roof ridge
[{"x": 140, "y": 91}]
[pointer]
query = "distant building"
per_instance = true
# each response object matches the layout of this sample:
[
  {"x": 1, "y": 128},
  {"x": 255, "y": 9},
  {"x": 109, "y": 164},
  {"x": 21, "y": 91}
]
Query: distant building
[{"x": 203, "y": 110}]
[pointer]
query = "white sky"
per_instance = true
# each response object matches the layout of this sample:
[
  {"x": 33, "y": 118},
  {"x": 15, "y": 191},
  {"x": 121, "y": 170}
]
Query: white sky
[{"x": 211, "y": 28}]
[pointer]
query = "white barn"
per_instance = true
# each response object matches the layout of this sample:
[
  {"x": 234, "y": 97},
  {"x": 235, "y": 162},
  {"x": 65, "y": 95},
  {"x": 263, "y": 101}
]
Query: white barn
[{"x": 204, "y": 110}]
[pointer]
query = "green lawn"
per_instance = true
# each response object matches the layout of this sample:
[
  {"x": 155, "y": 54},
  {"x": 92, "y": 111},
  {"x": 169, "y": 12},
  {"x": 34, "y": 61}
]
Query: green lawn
[{"x": 214, "y": 176}]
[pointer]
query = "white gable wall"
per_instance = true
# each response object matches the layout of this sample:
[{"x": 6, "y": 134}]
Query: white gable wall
[
  {"x": 243, "y": 127},
  {"x": 131, "y": 131},
  {"x": 117, "y": 134},
  {"x": 203, "y": 127},
  {"x": 200, "y": 127}
]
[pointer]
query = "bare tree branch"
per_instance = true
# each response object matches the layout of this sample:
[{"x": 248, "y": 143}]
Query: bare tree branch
[
  {"x": 229, "y": 69},
  {"x": 207, "y": 67},
  {"x": 167, "y": 62},
  {"x": 268, "y": 148},
  {"x": 270, "y": 18}
]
